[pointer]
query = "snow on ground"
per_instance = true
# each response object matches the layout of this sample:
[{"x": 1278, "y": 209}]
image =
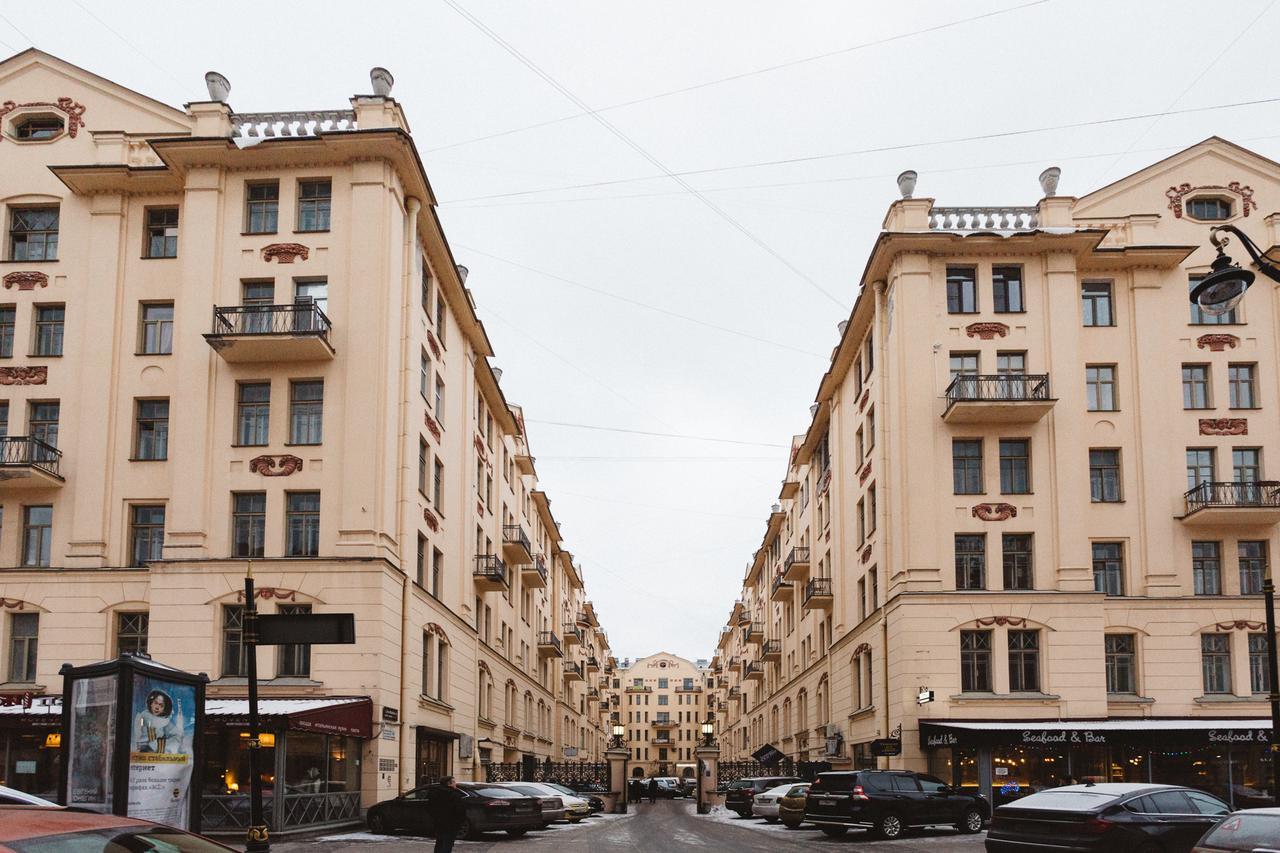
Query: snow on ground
[
  {"x": 373, "y": 837},
  {"x": 722, "y": 815}
]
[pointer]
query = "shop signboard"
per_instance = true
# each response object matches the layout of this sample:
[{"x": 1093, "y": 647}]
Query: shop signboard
[
  {"x": 886, "y": 747},
  {"x": 1142, "y": 733}
]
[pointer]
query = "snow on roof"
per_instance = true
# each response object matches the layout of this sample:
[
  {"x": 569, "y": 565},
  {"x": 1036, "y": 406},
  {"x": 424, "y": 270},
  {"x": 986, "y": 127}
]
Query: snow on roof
[{"x": 274, "y": 707}]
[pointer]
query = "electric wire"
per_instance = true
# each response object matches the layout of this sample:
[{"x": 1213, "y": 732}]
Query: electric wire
[
  {"x": 128, "y": 43},
  {"x": 30, "y": 41},
  {"x": 598, "y": 428}
]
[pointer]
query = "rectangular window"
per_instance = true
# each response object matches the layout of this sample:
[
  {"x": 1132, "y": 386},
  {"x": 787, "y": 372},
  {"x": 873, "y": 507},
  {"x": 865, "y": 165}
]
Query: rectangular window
[
  {"x": 1095, "y": 298},
  {"x": 1100, "y": 387},
  {"x": 1018, "y": 572},
  {"x": 1206, "y": 568},
  {"x": 1200, "y": 318},
  {"x": 233, "y": 648},
  {"x": 964, "y": 364},
  {"x": 131, "y": 633},
  {"x": 439, "y": 406},
  {"x": 248, "y": 523},
  {"x": 151, "y": 439},
  {"x": 437, "y": 486},
  {"x": 1195, "y": 386},
  {"x": 294, "y": 659},
  {"x": 437, "y": 570},
  {"x": 42, "y": 421},
  {"x": 423, "y": 456},
  {"x": 4, "y": 418},
  {"x": 1253, "y": 565},
  {"x": 49, "y": 324},
  {"x": 146, "y": 534},
  {"x": 421, "y": 563},
  {"x": 306, "y": 412},
  {"x": 1122, "y": 666},
  {"x": 1024, "y": 661},
  {"x": 975, "y": 661},
  {"x": 1259, "y": 672},
  {"x": 1104, "y": 475},
  {"x": 1200, "y": 467},
  {"x": 1015, "y": 466},
  {"x": 37, "y": 535},
  {"x": 8, "y": 322},
  {"x": 24, "y": 640},
  {"x": 440, "y": 315},
  {"x": 262, "y": 207},
  {"x": 33, "y": 234},
  {"x": 1246, "y": 465},
  {"x": 253, "y": 413},
  {"x": 162, "y": 232},
  {"x": 962, "y": 290},
  {"x": 424, "y": 377},
  {"x": 1108, "y": 567},
  {"x": 971, "y": 561},
  {"x": 1215, "y": 663},
  {"x": 155, "y": 337},
  {"x": 314, "y": 199},
  {"x": 1006, "y": 290},
  {"x": 1241, "y": 386},
  {"x": 426, "y": 289},
  {"x": 302, "y": 524}
]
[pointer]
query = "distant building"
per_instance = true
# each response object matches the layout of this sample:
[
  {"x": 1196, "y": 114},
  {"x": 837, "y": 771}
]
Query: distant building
[{"x": 661, "y": 700}]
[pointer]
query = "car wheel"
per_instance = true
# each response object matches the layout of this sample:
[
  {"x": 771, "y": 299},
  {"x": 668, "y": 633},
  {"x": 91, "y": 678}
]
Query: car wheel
[
  {"x": 516, "y": 833},
  {"x": 466, "y": 830},
  {"x": 970, "y": 822},
  {"x": 771, "y": 820},
  {"x": 834, "y": 831},
  {"x": 378, "y": 824},
  {"x": 890, "y": 826}
]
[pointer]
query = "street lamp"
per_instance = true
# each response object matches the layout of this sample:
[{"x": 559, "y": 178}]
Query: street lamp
[
  {"x": 1218, "y": 293},
  {"x": 709, "y": 732},
  {"x": 618, "y": 732}
]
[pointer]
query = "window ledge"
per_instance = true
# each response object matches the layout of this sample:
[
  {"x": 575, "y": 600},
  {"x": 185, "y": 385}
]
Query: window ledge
[
  {"x": 313, "y": 231},
  {"x": 230, "y": 681},
  {"x": 1128, "y": 699},
  {"x": 157, "y": 257},
  {"x": 1228, "y": 698},
  {"x": 485, "y": 722},
  {"x": 12, "y": 261},
  {"x": 258, "y": 233},
  {"x": 306, "y": 444},
  {"x": 1005, "y": 697},
  {"x": 293, "y": 681},
  {"x": 148, "y": 459},
  {"x": 431, "y": 702},
  {"x": 153, "y": 353},
  {"x": 862, "y": 713},
  {"x": 22, "y": 686}
]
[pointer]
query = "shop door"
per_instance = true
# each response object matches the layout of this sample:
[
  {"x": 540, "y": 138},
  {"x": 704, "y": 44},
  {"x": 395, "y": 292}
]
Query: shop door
[{"x": 433, "y": 755}]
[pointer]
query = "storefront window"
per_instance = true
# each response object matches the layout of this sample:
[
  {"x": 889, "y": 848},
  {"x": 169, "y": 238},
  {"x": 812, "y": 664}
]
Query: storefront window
[
  {"x": 1021, "y": 770},
  {"x": 1250, "y": 776},
  {"x": 1197, "y": 767},
  {"x": 1089, "y": 763},
  {"x": 32, "y": 765},
  {"x": 304, "y": 763},
  {"x": 1128, "y": 764},
  {"x": 226, "y": 763}
]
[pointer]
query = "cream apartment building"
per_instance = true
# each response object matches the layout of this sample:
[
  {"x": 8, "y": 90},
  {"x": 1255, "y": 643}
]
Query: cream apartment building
[
  {"x": 232, "y": 340},
  {"x": 1026, "y": 529},
  {"x": 663, "y": 701}
]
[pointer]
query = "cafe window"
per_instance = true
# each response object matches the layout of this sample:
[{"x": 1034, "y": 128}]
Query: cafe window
[
  {"x": 1121, "y": 660},
  {"x": 971, "y": 561},
  {"x": 131, "y": 633},
  {"x": 294, "y": 659},
  {"x": 975, "y": 661},
  {"x": 1024, "y": 661},
  {"x": 1215, "y": 663}
]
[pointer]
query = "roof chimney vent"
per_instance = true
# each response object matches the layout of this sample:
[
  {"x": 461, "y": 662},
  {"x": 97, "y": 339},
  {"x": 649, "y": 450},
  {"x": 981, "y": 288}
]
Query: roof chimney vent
[
  {"x": 497, "y": 374},
  {"x": 907, "y": 183},
  {"x": 777, "y": 507},
  {"x": 219, "y": 87},
  {"x": 841, "y": 326},
  {"x": 462, "y": 273},
  {"x": 382, "y": 81}
]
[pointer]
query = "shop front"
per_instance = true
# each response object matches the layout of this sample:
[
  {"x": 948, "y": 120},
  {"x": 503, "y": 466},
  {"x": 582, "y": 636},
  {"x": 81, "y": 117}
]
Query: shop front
[
  {"x": 1229, "y": 758},
  {"x": 433, "y": 755},
  {"x": 31, "y": 744},
  {"x": 310, "y": 764}
]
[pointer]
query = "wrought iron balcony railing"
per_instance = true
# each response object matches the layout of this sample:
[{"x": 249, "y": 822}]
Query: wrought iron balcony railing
[
  {"x": 817, "y": 588},
  {"x": 515, "y": 533},
  {"x": 490, "y": 567},
  {"x": 797, "y": 557},
  {"x": 27, "y": 451},
  {"x": 998, "y": 388},
  {"x": 298, "y": 318},
  {"x": 1260, "y": 493}
]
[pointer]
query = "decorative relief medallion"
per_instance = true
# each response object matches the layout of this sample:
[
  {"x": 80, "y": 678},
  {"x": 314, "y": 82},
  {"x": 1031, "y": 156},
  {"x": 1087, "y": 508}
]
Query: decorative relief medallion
[
  {"x": 1224, "y": 426},
  {"x": 480, "y": 448},
  {"x": 1178, "y": 193},
  {"x": 479, "y": 509},
  {"x": 432, "y": 426},
  {"x": 271, "y": 593},
  {"x": 1217, "y": 343},
  {"x": 27, "y": 280},
  {"x": 285, "y": 253},
  {"x": 866, "y": 395},
  {"x": 73, "y": 110},
  {"x": 435, "y": 347},
  {"x": 1240, "y": 625},
  {"x": 994, "y": 512},
  {"x": 24, "y": 375},
  {"x": 12, "y": 603},
  {"x": 986, "y": 331},
  {"x": 1015, "y": 621},
  {"x": 275, "y": 466},
  {"x": 429, "y": 519},
  {"x": 864, "y": 473},
  {"x": 866, "y": 554}
]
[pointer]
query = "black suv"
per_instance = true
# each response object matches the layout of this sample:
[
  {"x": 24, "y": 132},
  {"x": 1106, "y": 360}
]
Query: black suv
[
  {"x": 889, "y": 801},
  {"x": 741, "y": 794}
]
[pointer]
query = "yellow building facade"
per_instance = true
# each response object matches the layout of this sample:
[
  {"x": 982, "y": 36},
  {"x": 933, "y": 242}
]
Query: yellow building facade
[{"x": 662, "y": 703}]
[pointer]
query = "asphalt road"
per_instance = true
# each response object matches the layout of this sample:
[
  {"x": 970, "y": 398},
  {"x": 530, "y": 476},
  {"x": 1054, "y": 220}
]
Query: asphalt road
[{"x": 665, "y": 826}]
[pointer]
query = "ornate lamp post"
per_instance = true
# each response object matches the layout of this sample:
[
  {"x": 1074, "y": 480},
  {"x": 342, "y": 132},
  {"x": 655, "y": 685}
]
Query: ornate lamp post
[
  {"x": 618, "y": 732},
  {"x": 709, "y": 732},
  {"x": 1218, "y": 293}
]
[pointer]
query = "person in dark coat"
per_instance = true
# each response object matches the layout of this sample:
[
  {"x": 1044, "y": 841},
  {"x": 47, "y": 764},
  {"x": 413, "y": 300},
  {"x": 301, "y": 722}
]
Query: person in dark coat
[
  {"x": 653, "y": 790},
  {"x": 447, "y": 813}
]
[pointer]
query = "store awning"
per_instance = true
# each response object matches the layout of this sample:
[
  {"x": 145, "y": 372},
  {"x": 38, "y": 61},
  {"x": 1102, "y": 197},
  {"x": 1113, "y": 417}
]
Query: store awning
[
  {"x": 349, "y": 715},
  {"x": 20, "y": 711},
  {"x": 1191, "y": 731}
]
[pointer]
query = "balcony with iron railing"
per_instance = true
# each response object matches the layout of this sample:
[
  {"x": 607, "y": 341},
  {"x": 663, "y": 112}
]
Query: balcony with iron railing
[
  {"x": 1230, "y": 503},
  {"x": 781, "y": 589},
  {"x": 257, "y": 334},
  {"x": 771, "y": 651},
  {"x": 796, "y": 566},
  {"x": 1005, "y": 398},
  {"x": 572, "y": 636},
  {"x": 637, "y": 688},
  {"x": 583, "y": 619},
  {"x": 515, "y": 545},
  {"x": 26, "y": 462},
  {"x": 490, "y": 573},
  {"x": 534, "y": 574},
  {"x": 817, "y": 594},
  {"x": 572, "y": 671},
  {"x": 665, "y": 724},
  {"x": 752, "y": 671},
  {"x": 694, "y": 687},
  {"x": 592, "y": 664},
  {"x": 662, "y": 740},
  {"x": 549, "y": 644},
  {"x": 753, "y": 632}
]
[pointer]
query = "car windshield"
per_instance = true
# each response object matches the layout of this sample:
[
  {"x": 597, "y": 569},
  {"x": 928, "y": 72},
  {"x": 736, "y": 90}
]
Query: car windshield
[
  {"x": 498, "y": 793},
  {"x": 740, "y": 784},
  {"x": 1064, "y": 801},
  {"x": 834, "y": 782},
  {"x": 133, "y": 839},
  {"x": 1244, "y": 832},
  {"x": 562, "y": 789}
]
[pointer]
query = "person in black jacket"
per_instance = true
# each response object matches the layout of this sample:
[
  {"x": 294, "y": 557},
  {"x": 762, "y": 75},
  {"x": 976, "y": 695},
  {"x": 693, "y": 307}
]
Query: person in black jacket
[
  {"x": 653, "y": 790},
  {"x": 447, "y": 813}
]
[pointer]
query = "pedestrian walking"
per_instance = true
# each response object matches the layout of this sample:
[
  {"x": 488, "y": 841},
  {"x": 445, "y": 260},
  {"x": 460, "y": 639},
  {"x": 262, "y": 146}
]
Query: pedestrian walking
[
  {"x": 653, "y": 790},
  {"x": 447, "y": 814}
]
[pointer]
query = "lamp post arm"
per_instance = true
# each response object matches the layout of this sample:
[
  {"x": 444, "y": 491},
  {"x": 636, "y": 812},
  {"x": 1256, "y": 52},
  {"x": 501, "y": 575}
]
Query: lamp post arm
[{"x": 1264, "y": 264}]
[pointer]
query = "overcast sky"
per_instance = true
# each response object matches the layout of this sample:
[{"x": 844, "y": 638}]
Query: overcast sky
[{"x": 580, "y": 286}]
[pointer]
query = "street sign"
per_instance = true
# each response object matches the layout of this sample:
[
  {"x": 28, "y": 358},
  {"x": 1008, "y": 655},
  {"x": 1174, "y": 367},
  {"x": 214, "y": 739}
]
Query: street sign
[
  {"x": 277, "y": 629},
  {"x": 390, "y": 715},
  {"x": 924, "y": 697},
  {"x": 886, "y": 747},
  {"x": 768, "y": 754}
]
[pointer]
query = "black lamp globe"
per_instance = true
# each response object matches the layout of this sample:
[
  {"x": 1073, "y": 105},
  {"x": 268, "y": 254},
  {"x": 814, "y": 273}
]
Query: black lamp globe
[{"x": 1222, "y": 289}]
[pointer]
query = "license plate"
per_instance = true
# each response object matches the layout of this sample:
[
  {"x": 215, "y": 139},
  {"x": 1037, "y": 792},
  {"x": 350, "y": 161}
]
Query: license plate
[{"x": 826, "y": 802}]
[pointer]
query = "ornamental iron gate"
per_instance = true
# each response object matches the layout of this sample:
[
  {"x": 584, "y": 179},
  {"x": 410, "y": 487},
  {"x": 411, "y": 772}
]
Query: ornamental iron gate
[
  {"x": 732, "y": 771},
  {"x": 579, "y": 775}
]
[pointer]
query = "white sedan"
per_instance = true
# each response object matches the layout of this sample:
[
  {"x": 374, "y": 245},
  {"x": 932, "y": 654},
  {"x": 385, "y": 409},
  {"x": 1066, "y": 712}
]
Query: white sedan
[
  {"x": 11, "y": 797},
  {"x": 766, "y": 805}
]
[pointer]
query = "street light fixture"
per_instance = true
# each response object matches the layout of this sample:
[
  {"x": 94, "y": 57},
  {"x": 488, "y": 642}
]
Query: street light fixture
[
  {"x": 709, "y": 732},
  {"x": 618, "y": 732}
]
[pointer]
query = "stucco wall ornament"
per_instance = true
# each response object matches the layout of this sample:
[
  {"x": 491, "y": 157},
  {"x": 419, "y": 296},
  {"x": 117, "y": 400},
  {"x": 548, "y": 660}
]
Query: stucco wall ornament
[
  {"x": 986, "y": 331},
  {"x": 1015, "y": 621},
  {"x": 1224, "y": 426},
  {"x": 12, "y": 603},
  {"x": 861, "y": 649},
  {"x": 432, "y": 426},
  {"x": 435, "y": 347},
  {"x": 994, "y": 512},
  {"x": 73, "y": 110},
  {"x": 864, "y": 473},
  {"x": 429, "y": 518},
  {"x": 1177, "y": 193},
  {"x": 24, "y": 375},
  {"x": 1240, "y": 625},
  {"x": 26, "y": 280},
  {"x": 285, "y": 253},
  {"x": 866, "y": 554},
  {"x": 275, "y": 466},
  {"x": 1217, "y": 343},
  {"x": 866, "y": 395},
  {"x": 270, "y": 593}
]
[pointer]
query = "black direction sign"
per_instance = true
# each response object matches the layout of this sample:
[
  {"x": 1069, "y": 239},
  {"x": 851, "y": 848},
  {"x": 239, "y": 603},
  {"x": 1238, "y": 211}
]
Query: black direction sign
[{"x": 278, "y": 629}]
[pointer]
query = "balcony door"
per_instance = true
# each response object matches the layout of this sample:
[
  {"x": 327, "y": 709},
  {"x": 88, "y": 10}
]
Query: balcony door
[
  {"x": 1011, "y": 367},
  {"x": 307, "y": 294},
  {"x": 1246, "y": 464},
  {"x": 257, "y": 298}
]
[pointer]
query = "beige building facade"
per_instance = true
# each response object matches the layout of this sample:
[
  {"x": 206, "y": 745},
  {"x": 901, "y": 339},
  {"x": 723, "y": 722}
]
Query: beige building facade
[
  {"x": 1025, "y": 533},
  {"x": 662, "y": 703},
  {"x": 241, "y": 340}
]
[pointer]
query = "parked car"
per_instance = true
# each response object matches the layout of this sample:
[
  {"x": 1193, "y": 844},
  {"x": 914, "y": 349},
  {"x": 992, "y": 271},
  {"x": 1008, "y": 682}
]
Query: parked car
[
  {"x": 576, "y": 805},
  {"x": 488, "y": 808},
  {"x": 669, "y": 787},
  {"x": 1245, "y": 831},
  {"x": 740, "y": 794},
  {"x": 689, "y": 785},
  {"x": 1106, "y": 818},
  {"x": 791, "y": 806},
  {"x": 766, "y": 805},
  {"x": 13, "y": 797},
  {"x": 553, "y": 808},
  {"x": 35, "y": 827},
  {"x": 890, "y": 802}
]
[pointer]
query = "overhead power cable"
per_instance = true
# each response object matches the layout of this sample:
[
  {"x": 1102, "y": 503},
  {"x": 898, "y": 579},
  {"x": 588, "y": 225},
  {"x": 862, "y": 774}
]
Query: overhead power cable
[
  {"x": 657, "y": 434},
  {"x": 106, "y": 26},
  {"x": 742, "y": 75},
  {"x": 636, "y": 147},
  {"x": 30, "y": 41}
]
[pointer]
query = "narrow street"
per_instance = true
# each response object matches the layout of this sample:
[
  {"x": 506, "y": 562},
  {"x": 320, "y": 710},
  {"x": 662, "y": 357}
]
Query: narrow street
[{"x": 659, "y": 828}]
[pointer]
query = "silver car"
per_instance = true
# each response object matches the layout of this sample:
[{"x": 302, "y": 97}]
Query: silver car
[{"x": 552, "y": 802}]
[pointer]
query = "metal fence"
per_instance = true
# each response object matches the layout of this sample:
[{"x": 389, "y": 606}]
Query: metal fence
[
  {"x": 968, "y": 387},
  {"x": 224, "y": 812},
  {"x": 19, "y": 451},
  {"x": 732, "y": 771},
  {"x": 1259, "y": 493},
  {"x": 291, "y": 319},
  {"x": 578, "y": 775}
]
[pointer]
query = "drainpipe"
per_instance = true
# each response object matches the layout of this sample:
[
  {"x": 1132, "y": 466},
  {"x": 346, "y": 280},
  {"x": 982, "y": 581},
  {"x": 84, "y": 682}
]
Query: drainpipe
[
  {"x": 882, "y": 485},
  {"x": 412, "y": 206}
]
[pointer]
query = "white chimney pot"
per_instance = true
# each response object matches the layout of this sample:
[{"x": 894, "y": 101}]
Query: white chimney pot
[
  {"x": 219, "y": 87},
  {"x": 907, "y": 183},
  {"x": 382, "y": 81}
]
